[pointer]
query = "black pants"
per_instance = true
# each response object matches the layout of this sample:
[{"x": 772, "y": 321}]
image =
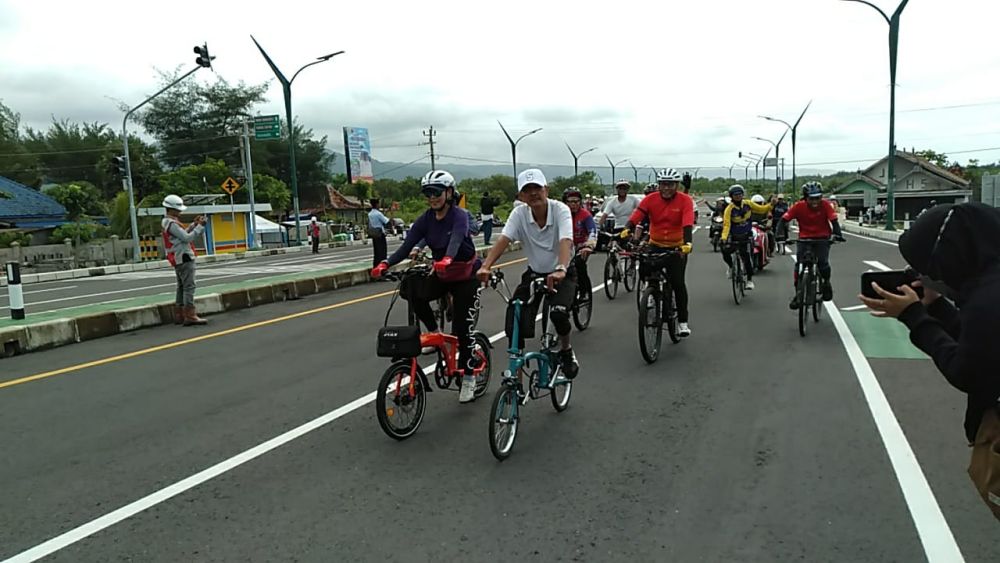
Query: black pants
[
  {"x": 464, "y": 297},
  {"x": 821, "y": 250},
  {"x": 380, "y": 248},
  {"x": 742, "y": 245},
  {"x": 582, "y": 276},
  {"x": 675, "y": 267},
  {"x": 560, "y": 302},
  {"x": 315, "y": 241},
  {"x": 487, "y": 229}
]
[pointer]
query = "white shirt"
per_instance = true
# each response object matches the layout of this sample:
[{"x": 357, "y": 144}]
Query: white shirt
[
  {"x": 620, "y": 210},
  {"x": 541, "y": 244}
]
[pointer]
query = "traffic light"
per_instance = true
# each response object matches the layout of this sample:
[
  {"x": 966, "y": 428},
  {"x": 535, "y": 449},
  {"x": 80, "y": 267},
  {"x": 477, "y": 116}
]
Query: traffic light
[
  {"x": 741, "y": 154},
  {"x": 118, "y": 166},
  {"x": 204, "y": 59}
]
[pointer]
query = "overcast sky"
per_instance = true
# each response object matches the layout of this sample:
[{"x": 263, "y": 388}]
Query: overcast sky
[{"x": 674, "y": 82}]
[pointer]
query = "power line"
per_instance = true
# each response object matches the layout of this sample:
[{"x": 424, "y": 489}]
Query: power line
[{"x": 384, "y": 172}]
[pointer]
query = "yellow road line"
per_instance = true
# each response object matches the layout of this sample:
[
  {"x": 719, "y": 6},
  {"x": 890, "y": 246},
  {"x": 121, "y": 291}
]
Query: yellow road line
[{"x": 186, "y": 341}]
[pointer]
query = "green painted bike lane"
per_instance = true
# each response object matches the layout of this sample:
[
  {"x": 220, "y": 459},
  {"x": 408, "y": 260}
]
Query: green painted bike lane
[{"x": 881, "y": 338}]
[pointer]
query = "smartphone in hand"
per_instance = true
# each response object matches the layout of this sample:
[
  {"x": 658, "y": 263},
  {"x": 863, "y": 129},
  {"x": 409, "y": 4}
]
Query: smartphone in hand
[{"x": 889, "y": 281}]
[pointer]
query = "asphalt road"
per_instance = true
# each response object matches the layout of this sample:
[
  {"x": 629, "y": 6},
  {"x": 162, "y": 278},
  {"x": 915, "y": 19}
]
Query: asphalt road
[
  {"x": 744, "y": 442},
  {"x": 56, "y": 295}
]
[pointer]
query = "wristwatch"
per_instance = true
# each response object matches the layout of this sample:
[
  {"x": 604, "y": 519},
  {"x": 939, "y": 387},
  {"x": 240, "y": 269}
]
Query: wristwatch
[{"x": 560, "y": 268}]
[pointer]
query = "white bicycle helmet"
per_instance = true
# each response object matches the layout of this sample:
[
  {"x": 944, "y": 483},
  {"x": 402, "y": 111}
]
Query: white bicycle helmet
[
  {"x": 438, "y": 178},
  {"x": 668, "y": 175},
  {"x": 758, "y": 199},
  {"x": 174, "y": 202},
  {"x": 623, "y": 182}
]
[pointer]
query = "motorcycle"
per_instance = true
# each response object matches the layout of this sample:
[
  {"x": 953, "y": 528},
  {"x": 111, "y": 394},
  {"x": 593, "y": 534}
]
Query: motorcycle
[
  {"x": 715, "y": 232},
  {"x": 760, "y": 247}
]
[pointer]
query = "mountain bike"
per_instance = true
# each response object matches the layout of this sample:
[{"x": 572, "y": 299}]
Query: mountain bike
[{"x": 657, "y": 305}]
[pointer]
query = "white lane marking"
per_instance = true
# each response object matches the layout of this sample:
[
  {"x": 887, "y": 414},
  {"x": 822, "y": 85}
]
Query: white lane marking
[
  {"x": 45, "y": 290},
  {"x": 794, "y": 257},
  {"x": 878, "y": 265},
  {"x": 854, "y": 308},
  {"x": 880, "y": 241},
  {"x": 116, "y": 291},
  {"x": 67, "y": 539},
  {"x": 935, "y": 535}
]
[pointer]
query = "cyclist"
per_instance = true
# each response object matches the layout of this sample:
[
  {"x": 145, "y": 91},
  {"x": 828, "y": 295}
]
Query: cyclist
[
  {"x": 719, "y": 208},
  {"x": 650, "y": 188},
  {"x": 737, "y": 229},
  {"x": 757, "y": 216},
  {"x": 817, "y": 220},
  {"x": 584, "y": 234},
  {"x": 620, "y": 208},
  {"x": 671, "y": 226},
  {"x": 545, "y": 228},
  {"x": 445, "y": 228}
]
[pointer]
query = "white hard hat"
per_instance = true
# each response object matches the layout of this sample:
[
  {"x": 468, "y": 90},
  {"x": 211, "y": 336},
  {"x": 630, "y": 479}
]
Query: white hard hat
[{"x": 174, "y": 202}]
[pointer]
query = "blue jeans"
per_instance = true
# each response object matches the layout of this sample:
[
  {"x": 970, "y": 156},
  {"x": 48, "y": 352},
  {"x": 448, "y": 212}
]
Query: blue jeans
[{"x": 487, "y": 229}]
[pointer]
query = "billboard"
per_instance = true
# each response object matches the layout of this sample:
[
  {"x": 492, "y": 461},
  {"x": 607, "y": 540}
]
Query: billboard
[{"x": 358, "y": 149}]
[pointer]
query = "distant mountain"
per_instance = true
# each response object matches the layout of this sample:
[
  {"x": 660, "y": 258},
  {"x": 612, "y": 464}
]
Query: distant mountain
[{"x": 399, "y": 170}]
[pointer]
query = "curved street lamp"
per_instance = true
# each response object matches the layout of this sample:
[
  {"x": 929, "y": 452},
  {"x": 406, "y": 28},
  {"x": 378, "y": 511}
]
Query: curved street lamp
[
  {"x": 613, "y": 165},
  {"x": 286, "y": 90},
  {"x": 793, "y": 129},
  {"x": 513, "y": 148},
  {"x": 890, "y": 186},
  {"x": 576, "y": 158}
]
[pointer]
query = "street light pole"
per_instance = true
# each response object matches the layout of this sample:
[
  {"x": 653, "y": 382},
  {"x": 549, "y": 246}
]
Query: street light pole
[
  {"x": 793, "y": 128},
  {"x": 576, "y": 158},
  {"x": 613, "y": 165},
  {"x": 635, "y": 172},
  {"x": 286, "y": 90},
  {"x": 513, "y": 148},
  {"x": 776, "y": 146},
  {"x": 890, "y": 189},
  {"x": 128, "y": 159}
]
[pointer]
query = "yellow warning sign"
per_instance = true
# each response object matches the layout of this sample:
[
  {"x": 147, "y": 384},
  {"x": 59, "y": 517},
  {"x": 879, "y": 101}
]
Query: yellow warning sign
[{"x": 230, "y": 186}]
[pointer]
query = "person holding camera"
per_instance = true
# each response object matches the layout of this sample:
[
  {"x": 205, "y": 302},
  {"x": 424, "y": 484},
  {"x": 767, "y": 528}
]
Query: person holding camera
[
  {"x": 178, "y": 242},
  {"x": 956, "y": 251}
]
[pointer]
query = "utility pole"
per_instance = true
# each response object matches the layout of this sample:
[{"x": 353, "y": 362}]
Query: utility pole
[
  {"x": 249, "y": 172},
  {"x": 430, "y": 141}
]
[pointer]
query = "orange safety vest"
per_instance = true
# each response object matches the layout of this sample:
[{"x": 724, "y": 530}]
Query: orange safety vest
[{"x": 168, "y": 246}]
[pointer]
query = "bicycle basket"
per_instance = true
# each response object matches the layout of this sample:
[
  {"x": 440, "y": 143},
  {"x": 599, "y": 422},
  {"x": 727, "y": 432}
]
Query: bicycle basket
[{"x": 398, "y": 341}]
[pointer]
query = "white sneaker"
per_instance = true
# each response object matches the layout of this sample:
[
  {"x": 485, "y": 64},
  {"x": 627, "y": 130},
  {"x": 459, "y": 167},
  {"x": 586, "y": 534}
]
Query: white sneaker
[
  {"x": 729, "y": 273},
  {"x": 749, "y": 285},
  {"x": 468, "y": 392},
  {"x": 683, "y": 330}
]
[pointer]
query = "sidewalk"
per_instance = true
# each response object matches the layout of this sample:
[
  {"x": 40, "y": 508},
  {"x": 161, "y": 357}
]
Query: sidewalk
[
  {"x": 871, "y": 232},
  {"x": 88, "y": 322}
]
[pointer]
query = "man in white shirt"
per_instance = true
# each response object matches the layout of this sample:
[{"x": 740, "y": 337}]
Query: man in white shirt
[
  {"x": 545, "y": 228},
  {"x": 619, "y": 208}
]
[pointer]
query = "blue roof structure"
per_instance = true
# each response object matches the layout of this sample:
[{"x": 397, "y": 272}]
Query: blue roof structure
[{"x": 19, "y": 202}]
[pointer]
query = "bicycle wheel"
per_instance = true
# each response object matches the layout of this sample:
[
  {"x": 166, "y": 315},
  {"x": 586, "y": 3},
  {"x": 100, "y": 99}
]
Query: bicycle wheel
[
  {"x": 805, "y": 283},
  {"x": 737, "y": 278},
  {"x": 817, "y": 301},
  {"x": 561, "y": 391},
  {"x": 399, "y": 411},
  {"x": 482, "y": 357},
  {"x": 670, "y": 315},
  {"x": 631, "y": 273},
  {"x": 611, "y": 277},
  {"x": 583, "y": 308},
  {"x": 503, "y": 422},
  {"x": 650, "y": 324}
]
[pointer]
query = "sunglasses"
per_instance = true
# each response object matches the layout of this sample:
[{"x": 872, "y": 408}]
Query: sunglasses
[{"x": 432, "y": 192}]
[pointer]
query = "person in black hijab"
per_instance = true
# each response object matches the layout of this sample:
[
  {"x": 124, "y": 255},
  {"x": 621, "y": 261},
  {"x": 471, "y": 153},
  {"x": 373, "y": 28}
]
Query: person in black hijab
[{"x": 956, "y": 249}]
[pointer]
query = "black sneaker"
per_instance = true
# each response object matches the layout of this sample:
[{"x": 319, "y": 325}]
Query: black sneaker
[
  {"x": 827, "y": 291},
  {"x": 794, "y": 304},
  {"x": 569, "y": 364}
]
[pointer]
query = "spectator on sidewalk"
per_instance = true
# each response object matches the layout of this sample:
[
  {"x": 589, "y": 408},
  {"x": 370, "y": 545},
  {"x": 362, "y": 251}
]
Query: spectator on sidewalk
[
  {"x": 486, "y": 207},
  {"x": 177, "y": 241},
  {"x": 314, "y": 235},
  {"x": 377, "y": 223}
]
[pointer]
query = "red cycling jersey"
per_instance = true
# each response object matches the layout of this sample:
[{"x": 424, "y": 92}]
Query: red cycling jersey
[{"x": 813, "y": 223}]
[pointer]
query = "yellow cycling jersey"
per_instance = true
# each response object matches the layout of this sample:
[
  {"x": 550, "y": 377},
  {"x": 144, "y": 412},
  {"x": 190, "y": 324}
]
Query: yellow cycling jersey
[{"x": 737, "y": 220}]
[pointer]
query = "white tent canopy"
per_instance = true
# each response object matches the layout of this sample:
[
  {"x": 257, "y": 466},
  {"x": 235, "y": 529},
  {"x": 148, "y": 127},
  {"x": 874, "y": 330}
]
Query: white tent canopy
[{"x": 262, "y": 225}]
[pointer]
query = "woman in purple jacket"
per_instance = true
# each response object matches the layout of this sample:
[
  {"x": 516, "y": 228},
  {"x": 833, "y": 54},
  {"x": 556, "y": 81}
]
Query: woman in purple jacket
[{"x": 444, "y": 228}]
